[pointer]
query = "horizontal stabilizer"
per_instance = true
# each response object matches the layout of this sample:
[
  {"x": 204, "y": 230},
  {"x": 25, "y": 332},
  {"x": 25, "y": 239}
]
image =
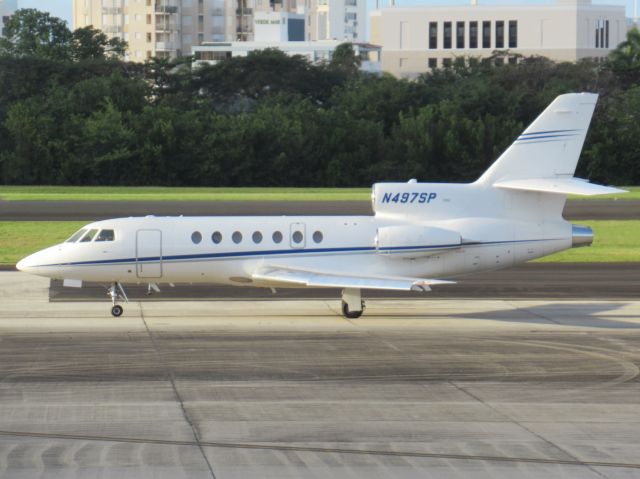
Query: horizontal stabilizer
[
  {"x": 298, "y": 277},
  {"x": 565, "y": 186}
]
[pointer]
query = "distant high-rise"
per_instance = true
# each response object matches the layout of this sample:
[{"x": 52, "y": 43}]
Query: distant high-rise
[
  {"x": 170, "y": 28},
  {"x": 7, "y": 7}
]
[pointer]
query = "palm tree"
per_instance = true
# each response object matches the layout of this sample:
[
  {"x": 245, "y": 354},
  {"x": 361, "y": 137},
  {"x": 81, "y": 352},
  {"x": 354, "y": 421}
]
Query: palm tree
[{"x": 626, "y": 57}]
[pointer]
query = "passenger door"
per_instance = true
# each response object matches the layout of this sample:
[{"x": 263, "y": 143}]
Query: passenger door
[
  {"x": 149, "y": 253},
  {"x": 297, "y": 235}
]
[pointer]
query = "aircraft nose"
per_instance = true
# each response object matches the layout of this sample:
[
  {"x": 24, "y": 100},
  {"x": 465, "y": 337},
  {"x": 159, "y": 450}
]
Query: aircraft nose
[{"x": 24, "y": 264}]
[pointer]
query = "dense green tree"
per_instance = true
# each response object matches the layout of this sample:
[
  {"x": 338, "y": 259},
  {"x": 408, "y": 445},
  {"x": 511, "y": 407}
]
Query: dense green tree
[
  {"x": 30, "y": 32},
  {"x": 89, "y": 43}
]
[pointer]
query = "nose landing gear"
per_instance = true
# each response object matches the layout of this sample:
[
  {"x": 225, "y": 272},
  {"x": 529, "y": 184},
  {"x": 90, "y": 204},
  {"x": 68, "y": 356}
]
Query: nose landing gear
[
  {"x": 352, "y": 303},
  {"x": 116, "y": 292}
]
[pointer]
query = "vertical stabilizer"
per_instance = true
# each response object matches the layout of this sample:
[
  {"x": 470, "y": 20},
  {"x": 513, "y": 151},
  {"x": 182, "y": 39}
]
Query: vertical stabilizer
[{"x": 550, "y": 147}]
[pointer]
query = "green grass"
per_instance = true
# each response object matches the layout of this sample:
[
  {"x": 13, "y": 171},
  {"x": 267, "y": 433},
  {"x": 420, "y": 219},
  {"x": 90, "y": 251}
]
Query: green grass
[
  {"x": 159, "y": 193},
  {"x": 21, "y": 238},
  {"x": 616, "y": 241}
]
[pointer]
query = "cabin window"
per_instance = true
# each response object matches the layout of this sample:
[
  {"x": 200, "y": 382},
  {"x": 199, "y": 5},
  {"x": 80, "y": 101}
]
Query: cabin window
[
  {"x": 196, "y": 237},
  {"x": 317, "y": 237},
  {"x": 89, "y": 236},
  {"x": 105, "y": 235},
  {"x": 277, "y": 237},
  {"x": 77, "y": 235},
  {"x": 236, "y": 237},
  {"x": 216, "y": 237},
  {"x": 257, "y": 237},
  {"x": 297, "y": 237}
]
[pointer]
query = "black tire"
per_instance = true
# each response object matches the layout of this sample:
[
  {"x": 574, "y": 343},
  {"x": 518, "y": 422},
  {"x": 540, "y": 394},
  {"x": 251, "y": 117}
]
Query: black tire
[
  {"x": 350, "y": 314},
  {"x": 117, "y": 310}
]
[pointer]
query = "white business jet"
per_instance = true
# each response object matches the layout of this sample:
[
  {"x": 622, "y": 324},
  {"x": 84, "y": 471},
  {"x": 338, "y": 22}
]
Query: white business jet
[{"x": 419, "y": 232}]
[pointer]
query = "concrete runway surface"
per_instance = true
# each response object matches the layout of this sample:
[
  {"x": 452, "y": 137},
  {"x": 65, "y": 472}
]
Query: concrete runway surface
[
  {"x": 96, "y": 210},
  {"x": 482, "y": 388}
]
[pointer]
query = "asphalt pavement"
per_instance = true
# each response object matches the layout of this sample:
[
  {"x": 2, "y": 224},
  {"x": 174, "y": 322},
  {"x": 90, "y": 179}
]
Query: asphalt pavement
[{"x": 98, "y": 210}]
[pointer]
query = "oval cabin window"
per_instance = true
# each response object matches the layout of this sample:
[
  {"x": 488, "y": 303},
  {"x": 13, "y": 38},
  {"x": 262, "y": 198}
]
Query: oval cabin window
[
  {"x": 257, "y": 237},
  {"x": 317, "y": 237},
  {"x": 277, "y": 237},
  {"x": 196, "y": 237},
  {"x": 216, "y": 237},
  {"x": 297, "y": 237},
  {"x": 236, "y": 237}
]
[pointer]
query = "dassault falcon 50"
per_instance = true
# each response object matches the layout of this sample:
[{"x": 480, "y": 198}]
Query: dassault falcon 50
[{"x": 421, "y": 234}]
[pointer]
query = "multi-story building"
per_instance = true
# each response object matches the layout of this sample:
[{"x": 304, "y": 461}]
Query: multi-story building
[
  {"x": 337, "y": 20},
  {"x": 415, "y": 39},
  {"x": 7, "y": 7},
  {"x": 170, "y": 28}
]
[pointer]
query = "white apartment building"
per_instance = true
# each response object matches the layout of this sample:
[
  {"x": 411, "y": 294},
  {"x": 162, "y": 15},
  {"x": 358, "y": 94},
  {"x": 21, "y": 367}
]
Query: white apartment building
[
  {"x": 415, "y": 39},
  {"x": 171, "y": 28},
  {"x": 7, "y": 7},
  {"x": 337, "y": 20}
]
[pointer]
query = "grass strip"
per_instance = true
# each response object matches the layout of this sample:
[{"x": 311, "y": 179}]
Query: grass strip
[
  {"x": 160, "y": 193},
  {"x": 615, "y": 241}
]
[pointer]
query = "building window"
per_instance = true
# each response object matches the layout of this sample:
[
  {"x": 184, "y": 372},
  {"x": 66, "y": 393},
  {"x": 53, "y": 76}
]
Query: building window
[
  {"x": 513, "y": 60},
  {"x": 473, "y": 34},
  {"x": 433, "y": 35},
  {"x": 257, "y": 237},
  {"x": 433, "y": 63},
  {"x": 459, "y": 34},
  {"x": 277, "y": 237},
  {"x": 486, "y": 34},
  {"x": 606, "y": 34},
  {"x": 499, "y": 34},
  {"x": 446, "y": 62},
  {"x": 513, "y": 34},
  {"x": 216, "y": 237},
  {"x": 148, "y": 37},
  {"x": 236, "y": 237},
  {"x": 447, "y": 35},
  {"x": 196, "y": 237}
]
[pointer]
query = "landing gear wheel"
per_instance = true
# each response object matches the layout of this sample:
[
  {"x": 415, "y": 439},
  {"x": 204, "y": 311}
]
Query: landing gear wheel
[
  {"x": 117, "y": 310},
  {"x": 350, "y": 314}
]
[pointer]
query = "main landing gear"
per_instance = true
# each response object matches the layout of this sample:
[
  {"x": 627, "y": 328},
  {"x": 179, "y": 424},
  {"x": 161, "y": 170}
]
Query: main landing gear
[
  {"x": 116, "y": 292},
  {"x": 352, "y": 303}
]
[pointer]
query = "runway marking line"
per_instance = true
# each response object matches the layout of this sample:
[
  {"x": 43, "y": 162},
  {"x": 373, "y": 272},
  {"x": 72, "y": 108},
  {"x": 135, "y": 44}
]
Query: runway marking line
[{"x": 332, "y": 450}]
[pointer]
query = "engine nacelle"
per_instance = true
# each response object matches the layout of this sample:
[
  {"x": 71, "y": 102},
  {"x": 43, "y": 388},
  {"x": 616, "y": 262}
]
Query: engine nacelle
[{"x": 411, "y": 241}]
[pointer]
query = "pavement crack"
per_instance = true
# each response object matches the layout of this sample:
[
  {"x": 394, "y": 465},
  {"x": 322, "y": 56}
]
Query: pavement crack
[
  {"x": 171, "y": 377},
  {"x": 530, "y": 431}
]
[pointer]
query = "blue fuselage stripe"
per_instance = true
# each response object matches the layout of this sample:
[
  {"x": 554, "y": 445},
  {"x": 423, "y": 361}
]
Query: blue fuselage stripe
[{"x": 239, "y": 254}]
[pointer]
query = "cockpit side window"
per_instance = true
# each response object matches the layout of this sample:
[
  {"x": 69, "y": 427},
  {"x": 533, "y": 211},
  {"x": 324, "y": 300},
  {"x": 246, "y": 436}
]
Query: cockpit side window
[
  {"x": 77, "y": 235},
  {"x": 89, "y": 236},
  {"x": 106, "y": 235}
]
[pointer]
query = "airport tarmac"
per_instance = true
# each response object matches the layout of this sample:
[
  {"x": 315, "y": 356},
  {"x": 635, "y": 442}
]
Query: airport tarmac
[
  {"x": 97, "y": 210},
  {"x": 482, "y": 388}
]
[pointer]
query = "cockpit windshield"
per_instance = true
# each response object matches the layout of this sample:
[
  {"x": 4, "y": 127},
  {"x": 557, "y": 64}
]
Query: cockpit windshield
[
  {"x": 106, "y": 235},
  {"x": 77, "y": 235},
  {"x": 89, "y": 236},
  {"x": 86, "y": 235}
]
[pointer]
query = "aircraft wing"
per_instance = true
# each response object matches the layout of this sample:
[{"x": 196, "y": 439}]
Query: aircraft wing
[{"x": 297, "y": 277}]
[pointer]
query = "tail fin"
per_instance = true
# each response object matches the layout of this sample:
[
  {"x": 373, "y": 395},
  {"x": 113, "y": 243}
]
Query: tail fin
[{"x": 549, "y": 148}]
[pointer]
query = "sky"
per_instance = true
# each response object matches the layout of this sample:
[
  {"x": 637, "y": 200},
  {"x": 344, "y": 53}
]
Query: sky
[{"x": 63, "y": 8}]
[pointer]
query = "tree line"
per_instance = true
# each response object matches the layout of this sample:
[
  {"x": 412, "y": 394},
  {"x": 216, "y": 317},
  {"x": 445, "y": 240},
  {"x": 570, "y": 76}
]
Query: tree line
[{"x": 72, "y": 112}]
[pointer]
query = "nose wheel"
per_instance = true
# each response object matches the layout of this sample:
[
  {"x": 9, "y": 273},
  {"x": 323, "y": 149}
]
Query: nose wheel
[
  {"x": 116, "y": 293},
  {"x": 352, "y": 304}
]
